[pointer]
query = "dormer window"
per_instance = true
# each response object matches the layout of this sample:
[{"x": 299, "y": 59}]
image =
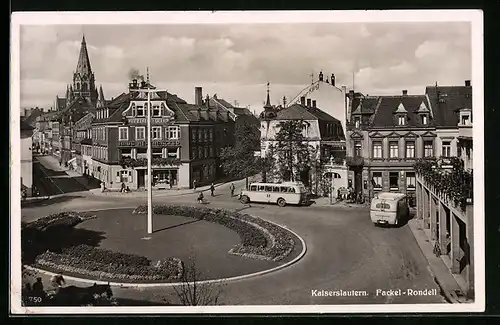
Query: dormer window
[
  {"x": 465, "y": 119},
  {"x": 401, "y": 120},
  {"x": 357, "y": 122},
  {"x": 424, "y": 119},
  {"x": 156, "y": 110},
  {"x": 140, "y": 110}
]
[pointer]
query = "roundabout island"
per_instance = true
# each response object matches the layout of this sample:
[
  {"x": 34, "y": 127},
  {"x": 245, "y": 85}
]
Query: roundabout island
[{"x": 111, "y": 245}]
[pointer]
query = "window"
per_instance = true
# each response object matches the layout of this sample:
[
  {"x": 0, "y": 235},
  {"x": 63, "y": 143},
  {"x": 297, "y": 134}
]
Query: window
[
  {"x": 291, "y": 190},
  {"x": 140, "y": 110},
  {"x": 193, "y": 153},
  {"x": 211, "y": 134},
  {"x": 393, "y": 180},
  {"x": 140, "y": 133},
  {"x": 393, "y": 149},
  {"x": 401, "y": 120},
  {"x": 410, "y": 149},
  {"x": 424, "y": 119},
  {"x": 357, "y": 149},
  {"x": 134, "y": 110},
  {"x": 446, "y": 149},
  {"x": 262, "y": 188},
  {"x": 172, "y": 153},
  {"x": 194, "y": 135},
  {"x": 410, "y": 180},
  {"x": 356, "y": 122},
  {"x": 206, "y": 152},
  {"x": 156, "y": 110},
  {"x": 283, "y": 189},
  {"x": 126, "y": 152},
  {"x": 428, "y": 149},
  {"x": 276, "y": 188},
  {"x": 200, "y": 135},
  {"x": 253, "y": 188},
  {"x": 124, "y": 176},
  {"x": 123, "y": 133},
  {"x": 465, "y": 119},
  {"x": 377, "y": 149},
  {"x": 156, "y": 133},
  {"x": 377, "y": 180},
  {"x": 210, "y": 152},
  {"x": 173, "y": 132},
  {"x": 200, "y": 152}
]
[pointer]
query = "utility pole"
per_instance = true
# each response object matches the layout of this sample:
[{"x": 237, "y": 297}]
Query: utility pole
[{"x": 149, "y": 90}]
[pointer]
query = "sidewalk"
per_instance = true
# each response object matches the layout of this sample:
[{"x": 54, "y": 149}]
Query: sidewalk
[
  {"x": 439, "y": 270},
  {"x": 325, "y": 202},
  {"x": 172, "y": 192}
]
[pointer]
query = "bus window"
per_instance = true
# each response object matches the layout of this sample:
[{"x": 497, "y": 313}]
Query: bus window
[
  {"x": 291, "y": 190},
  {"x": 269, "y": 188},
  {"x": 283, "y": 189},
  {"x": 276, "y": 188},
  {"x": 261, "y": 188},
  {"x": 253, "y": 188}
]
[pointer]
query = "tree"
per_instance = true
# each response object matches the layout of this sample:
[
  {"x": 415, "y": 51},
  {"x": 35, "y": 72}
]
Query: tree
[
  {"x": 240, "y": 161},
  {"x": 192, "y": 292},
  {"x": 294, "y": 155}
]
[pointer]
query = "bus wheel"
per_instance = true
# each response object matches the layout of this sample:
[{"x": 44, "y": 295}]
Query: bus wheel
[
  {"x": 281, "y": 202},
  {"x": 244, "y": 199}
]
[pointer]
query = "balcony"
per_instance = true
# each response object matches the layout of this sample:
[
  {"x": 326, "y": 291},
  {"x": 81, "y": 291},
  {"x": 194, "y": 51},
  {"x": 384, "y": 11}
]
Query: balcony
[
  {"x": 154, "y": 120},
  {"x": 144, "y": 144},
  {"x": 465, "y": 131},
  {"x": 392, "y": 161}
]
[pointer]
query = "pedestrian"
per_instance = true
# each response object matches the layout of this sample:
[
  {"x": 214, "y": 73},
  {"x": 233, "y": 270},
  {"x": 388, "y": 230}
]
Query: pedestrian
[
  {"x": 194, "y": 185},
  {"x": 123, "y": 188},
  {"x": 232, "y": 189},
  {"x": 103, "y": 187},
  {"x": 38, "y": 290},
  {"x": 212, "y": 189},
  {"x": 57, "y": 280}
]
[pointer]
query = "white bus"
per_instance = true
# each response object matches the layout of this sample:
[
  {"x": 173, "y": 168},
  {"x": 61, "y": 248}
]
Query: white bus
[
  {"x": 281, "y": 194},
  {"x": 389, "y": 208}
]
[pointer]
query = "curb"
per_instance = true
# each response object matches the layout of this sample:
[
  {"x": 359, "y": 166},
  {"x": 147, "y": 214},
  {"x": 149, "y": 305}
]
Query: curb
[
  {"x": 173, "y": 284},
  {"x": 448, "y": 296}
]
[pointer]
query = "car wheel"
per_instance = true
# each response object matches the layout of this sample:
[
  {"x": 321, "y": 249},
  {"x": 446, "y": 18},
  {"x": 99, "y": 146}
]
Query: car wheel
[
  {"x": 245, "y": 199},
  {"x": 281, "y": 202}
]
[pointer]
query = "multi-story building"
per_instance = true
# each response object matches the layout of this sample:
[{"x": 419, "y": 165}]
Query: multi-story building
[
  {"x": 387, "y": 134},
  {"x": 447, "y": 216},
  {"x": 81, "y": 138},
  {"x": 322, "y": 132},
  {"x": 26, "y": 158},
  {"x": 186, "y": 139}
]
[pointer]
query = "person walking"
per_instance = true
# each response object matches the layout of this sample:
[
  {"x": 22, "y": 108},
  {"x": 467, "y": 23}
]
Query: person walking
[
  {"x": 194, "y": 185},
  {"x": 232, "y": 189},
  {"x": 123, "y": 188},
  {"x": 212, "y": 189}
]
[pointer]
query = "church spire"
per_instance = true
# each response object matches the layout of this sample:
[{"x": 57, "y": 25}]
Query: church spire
[
  {"x": 101, "y": 94},
  {"x": 268, "y": 101},
  {"x": 83, "y": 66}
]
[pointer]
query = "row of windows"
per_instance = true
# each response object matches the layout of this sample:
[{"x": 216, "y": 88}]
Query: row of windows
[
  {"x": 378, "y": 152},
  {"x": 393, "y": 180},
  {"x": 171, "y": 132},
  {"x": 156, "y": 152},
  {"x": 271, "y": 188},
  {"x": 201, "y": 152},
  {"x": 99, "y": 133},
  {"x": 100, "y": 153},
  {"x": 202, "y": 134},
  {"x": 140, "y": 110},
  {"x": 401, "y": 120}
]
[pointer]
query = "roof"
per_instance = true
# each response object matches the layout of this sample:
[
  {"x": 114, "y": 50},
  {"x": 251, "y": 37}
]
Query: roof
[
  {"x": 83, "y": 66},
  {"x": 302, "y": 112},
  {"x": 48, "y": 116},
  {"x": 78, "y": 108},
  {"x": 364, "y": 105},
  {"x": 183, "y": 111},
  {"x": 31, "y": 119},
  {"x": 390, "y": 195},
  {"x": 453, "y": 98},
  {"x": 389, "y": 105}
]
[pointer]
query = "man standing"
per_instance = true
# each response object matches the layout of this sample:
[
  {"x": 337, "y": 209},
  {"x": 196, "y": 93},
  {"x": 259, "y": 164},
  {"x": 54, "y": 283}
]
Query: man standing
[
  {"x": 194, "y": 185},
  {"x": 232, "y": 189},
  {"x": 212, "y": 189}
]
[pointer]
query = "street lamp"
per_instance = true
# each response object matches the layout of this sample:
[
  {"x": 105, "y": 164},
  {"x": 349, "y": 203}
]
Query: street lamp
[{"x": 149, "y": 90}]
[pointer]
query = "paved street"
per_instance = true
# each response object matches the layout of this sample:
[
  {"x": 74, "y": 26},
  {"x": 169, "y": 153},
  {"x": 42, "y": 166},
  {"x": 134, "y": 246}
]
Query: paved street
[{"x": 344, "y": 252}]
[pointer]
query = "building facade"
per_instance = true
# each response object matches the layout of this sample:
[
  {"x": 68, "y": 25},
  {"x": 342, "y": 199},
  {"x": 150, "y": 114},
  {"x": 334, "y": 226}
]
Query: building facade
[
  {"x": 387, "y": 134},
  {"x": 26, "y": 158},
  {"x": 186, "y": 140},
  {"x": 321, "y": 131}
]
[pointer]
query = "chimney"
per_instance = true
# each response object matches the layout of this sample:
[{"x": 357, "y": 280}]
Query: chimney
[
  {"x": 309, "y": 102},
  {"x": 314, "y": 103},
  {"x": 198, "y": 97},
  {"x": 351, "y": 93},
  {"x": 405, "y": 92},
  {"x": 302, "y": 100},
  {"x": 467, "y": 83},
  {"x": 333, "y": 79}
]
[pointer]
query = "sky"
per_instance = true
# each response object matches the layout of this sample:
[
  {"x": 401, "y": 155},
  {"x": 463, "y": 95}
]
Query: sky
[{"x": 235, "y": 61}]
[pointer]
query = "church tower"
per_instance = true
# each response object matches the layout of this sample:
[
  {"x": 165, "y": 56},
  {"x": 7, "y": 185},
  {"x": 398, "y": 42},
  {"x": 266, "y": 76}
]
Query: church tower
[{"x": 83, "y": 77}]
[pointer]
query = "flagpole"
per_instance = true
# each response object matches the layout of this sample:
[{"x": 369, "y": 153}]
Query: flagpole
[{"x": 150, "y": 180}]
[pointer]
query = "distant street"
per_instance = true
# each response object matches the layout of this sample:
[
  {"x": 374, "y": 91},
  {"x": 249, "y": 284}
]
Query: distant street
[
  {"x": 344, "y": 252},
  {"x": 52, "y": 179}
]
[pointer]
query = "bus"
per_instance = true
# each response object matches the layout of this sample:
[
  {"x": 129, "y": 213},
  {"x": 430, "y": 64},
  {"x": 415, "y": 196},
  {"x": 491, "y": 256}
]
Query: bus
[
  {"x": 389, "y": 208},
  {"x": 281, "y": 193}
]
